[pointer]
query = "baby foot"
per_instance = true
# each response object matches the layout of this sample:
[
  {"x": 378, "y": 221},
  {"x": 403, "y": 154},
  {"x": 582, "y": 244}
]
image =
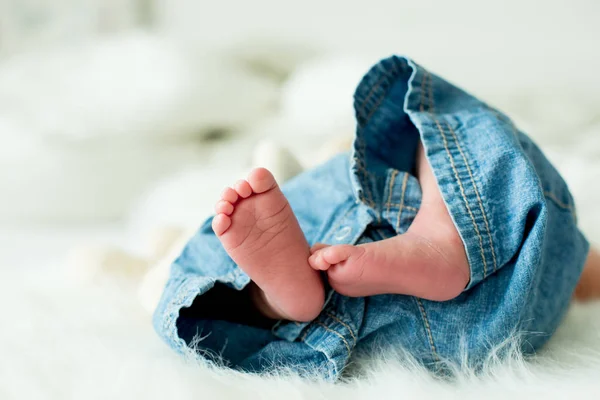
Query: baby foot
[
  {"x": 260, "y": 232},
  {"x": 428, "y": 261},
  {"x": 405, "y": 264}
]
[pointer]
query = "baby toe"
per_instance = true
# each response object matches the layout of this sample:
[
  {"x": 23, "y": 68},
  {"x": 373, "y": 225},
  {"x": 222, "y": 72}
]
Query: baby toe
[
  {"x": 220, "y": 224},
  {"x": 229, "y": 195},
  {"x": 341, "y": 253},
  {"x": 243, "y": 188},
  {"x": 261, "y": 180},
  {"x": 224, "y": 207},
  {"x": 318, "y": 246},
  {"x": 316, "y": 261}
]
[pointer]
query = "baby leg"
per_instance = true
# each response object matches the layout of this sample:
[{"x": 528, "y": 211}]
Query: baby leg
[
  {"x": 588, "y": 287},
  {"x": 428, "y": 261}
]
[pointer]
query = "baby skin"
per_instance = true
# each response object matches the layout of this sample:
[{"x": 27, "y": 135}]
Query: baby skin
[{"x": 260, "y": 232}]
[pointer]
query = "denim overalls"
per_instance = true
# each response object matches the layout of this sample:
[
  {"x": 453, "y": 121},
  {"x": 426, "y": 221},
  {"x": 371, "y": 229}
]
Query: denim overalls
[{"x": 513, "y": 211}]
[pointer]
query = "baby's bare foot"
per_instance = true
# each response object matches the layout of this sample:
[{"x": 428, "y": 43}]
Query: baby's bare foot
[
  {"x": 260, "y": 232},
  {"x": 428, "y": 261},
  {"x": 406, "y": 264}
]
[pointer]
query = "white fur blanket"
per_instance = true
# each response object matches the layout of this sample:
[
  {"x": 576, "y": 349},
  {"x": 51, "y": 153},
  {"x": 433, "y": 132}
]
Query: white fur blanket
[{"x": 61, "y": 339}]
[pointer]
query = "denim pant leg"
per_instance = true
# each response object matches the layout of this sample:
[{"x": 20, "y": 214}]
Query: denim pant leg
[
  {"x": 512, "y": 209},
  {"x": 514, "y": 213}
]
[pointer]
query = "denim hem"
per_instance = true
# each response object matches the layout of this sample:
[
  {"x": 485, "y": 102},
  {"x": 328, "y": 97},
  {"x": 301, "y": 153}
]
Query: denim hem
[
  {"x": 186, "y": 289},
  {"x": 445, "y": 149}
]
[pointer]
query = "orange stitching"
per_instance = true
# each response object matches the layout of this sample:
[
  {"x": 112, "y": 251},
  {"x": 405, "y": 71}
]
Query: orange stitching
[
  {"x": 464, "y": 196},
  {"x": 361, "y": 108},
  {"x": 388, "y": 75},
  {"x": 375, "y": 108},
  {"x": 392, "y": 180},
  {"x": 431, "y": 107},
  {"x": 366, "y": 176},
  {"x": 423, "y": 86},
  {"x": 557, "y": 201},
  {"x": 487, "y": 226},
  {"x": 336, "y": 333},
  {"x": 404, "y": 181},
  {"x": 462, "y": 191},
  {"x": 427, "y": 328},
  {"x": 344, "y": 324},
  {"x": 391, "y": 75},
  {"x": 409, "y": 208},
  {"x": 562, "y": 205}
]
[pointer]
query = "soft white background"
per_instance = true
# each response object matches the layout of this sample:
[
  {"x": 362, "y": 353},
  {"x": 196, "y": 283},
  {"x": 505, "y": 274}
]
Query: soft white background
[{"x": 109, "y": 112}]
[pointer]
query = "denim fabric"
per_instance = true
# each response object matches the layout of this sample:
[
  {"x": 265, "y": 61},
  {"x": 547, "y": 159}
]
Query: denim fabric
[{"x": 513, "y": 211}]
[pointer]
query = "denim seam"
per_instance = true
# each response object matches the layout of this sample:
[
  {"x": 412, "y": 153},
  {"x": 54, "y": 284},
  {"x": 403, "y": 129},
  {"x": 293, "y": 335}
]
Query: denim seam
[
  {"x": 375, "y": 107},
  {"x": 464, "y": 197},
  {"x": 430, "y": 92},
  {"x": 483, "y": 213},
  {"x": 461, "y": 187},
  {"x": 303, "y": 336},
  {"x": 390, "y": 75},
  {"x": 408, "y": 208},
  {"x": 328, "y": 329},
  {"x": 404, "y": 182},
  {"x": 427, "y": 328},
  {"x": 366, "y": 175},
  {"x": 361, "y": 109},
  {"x": 363, "y": 106},
  {"x": 422, "y": 92},
  {"x": 555, "y": 199},
  {"x": 345, "y": 325},
  {"x": 390, "y": 189},
  {"x": 361, "y": 143},
  {"x": 551, "y": 196},
  {"x": 179, "y": 302},
  {"x": 379, "y": 209},
  {"x": 327, "y": 356}
]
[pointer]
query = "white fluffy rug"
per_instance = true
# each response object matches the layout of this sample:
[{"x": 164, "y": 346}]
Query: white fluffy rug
[{"x": 63, "y": 340}]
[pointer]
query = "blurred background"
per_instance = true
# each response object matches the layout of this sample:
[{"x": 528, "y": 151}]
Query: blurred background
[
  {"x": 122, "y": 120},
  {"x": 120, "y": 116}
]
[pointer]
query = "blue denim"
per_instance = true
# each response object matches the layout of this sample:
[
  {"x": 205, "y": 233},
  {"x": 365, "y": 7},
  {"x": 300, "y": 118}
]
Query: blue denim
[{"x": 513, "y": 211}]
